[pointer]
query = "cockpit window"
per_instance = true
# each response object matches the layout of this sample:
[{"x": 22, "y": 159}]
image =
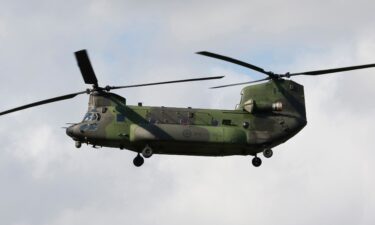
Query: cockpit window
[{"x": 91, "y": 117}]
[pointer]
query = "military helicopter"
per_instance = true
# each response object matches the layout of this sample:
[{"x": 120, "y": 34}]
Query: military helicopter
[{"x": 268, "y": 114}]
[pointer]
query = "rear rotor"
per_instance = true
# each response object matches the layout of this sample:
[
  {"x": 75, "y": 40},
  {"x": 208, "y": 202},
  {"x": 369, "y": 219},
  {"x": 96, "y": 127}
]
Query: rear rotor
[{"x": 271, "y": 75}]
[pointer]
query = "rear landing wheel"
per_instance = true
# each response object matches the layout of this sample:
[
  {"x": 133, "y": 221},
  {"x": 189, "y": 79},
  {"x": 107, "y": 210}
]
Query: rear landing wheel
[
  {"x": 268, "y": 153},
  {"x": 138, "y": 160},
  {"x": 147, "y": 152},
  {"x": 256, "y": 161}
]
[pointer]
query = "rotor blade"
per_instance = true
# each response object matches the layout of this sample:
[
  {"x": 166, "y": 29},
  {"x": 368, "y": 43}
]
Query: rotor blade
[
  {"x": 167, "y": 82},
  {"x": 335, "y": 70},
  {"x": 50, "y": 100},
  {"x": 235, "y": 61},
  {"x": 249, "y": 82},
  {"x": 84, "y": 65}
]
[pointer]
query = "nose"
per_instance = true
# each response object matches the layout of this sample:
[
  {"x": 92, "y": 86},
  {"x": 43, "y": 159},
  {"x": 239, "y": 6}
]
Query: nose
[{"x": 69, "y": 131}]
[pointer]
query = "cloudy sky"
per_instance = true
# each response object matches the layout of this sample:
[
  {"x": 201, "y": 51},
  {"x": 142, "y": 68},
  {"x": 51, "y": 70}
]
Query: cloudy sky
[{"x": 322, "y": 176}]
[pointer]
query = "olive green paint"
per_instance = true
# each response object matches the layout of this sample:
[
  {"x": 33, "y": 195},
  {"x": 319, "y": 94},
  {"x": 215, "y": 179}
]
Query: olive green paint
[{"x": 189, "y": 131}]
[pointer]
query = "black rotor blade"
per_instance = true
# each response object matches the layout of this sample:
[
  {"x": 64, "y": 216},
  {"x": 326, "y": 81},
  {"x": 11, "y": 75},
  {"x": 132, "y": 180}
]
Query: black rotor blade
[
  {"x": 166, "y": 82},
  {"x": 335, "y": 70},
  {"x": 84, "y": 65},
  {"x": 249, "y": 82},
  {"x": 50, "y": 100},
  {"x": 235, "y": 61}
]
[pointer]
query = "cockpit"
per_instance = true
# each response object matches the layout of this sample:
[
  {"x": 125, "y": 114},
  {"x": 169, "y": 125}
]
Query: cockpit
[{"x": 91, "y": 116}]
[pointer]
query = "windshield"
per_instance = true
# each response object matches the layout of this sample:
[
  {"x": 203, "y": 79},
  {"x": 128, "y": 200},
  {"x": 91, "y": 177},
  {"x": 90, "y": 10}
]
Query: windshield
[{"x": 91, "y": 117}]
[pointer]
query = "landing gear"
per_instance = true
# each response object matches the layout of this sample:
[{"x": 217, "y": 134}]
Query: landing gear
[
  {"x": 256, "y": 161},
  {"x": 268, "y": 153},
  {"x": 78, "y": 144},
  {"x": 147, "y": 152},
  {"x": 138, "y": 160}
]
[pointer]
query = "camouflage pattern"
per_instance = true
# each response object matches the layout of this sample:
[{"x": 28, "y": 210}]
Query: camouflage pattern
[{"x": 267, "y": 115}]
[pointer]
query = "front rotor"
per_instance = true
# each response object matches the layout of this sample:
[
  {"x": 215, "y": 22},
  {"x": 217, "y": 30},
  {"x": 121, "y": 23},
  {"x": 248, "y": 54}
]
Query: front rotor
[{"x": 89, "y": 77}]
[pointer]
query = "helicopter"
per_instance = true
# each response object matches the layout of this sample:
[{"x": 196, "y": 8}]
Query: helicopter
[{"x": 268, "y": 114}]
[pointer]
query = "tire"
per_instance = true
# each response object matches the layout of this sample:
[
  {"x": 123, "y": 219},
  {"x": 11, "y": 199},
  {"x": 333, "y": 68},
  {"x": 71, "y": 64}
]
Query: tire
[
  {"x": 268, "y": 153},
  {"x": 138, "y": 161},
  {"x": 147, "y": 152},
  {"x": 256, "y": 161}
]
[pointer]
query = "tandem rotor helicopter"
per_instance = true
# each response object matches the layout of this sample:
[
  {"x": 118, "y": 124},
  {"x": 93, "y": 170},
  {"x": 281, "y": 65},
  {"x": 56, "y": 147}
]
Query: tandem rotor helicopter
[{"x": 268, "y": 114}]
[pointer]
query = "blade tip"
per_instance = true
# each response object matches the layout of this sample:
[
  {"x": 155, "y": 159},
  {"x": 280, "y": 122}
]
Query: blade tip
[
  {"x": 80, "y": 51},
  {"x": 201, "y": 52}
]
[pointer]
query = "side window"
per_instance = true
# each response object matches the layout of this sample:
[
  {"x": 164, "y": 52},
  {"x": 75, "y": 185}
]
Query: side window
[
  {"x": 227, "y": 122},
  {"x": 87, "y": 117},
  {"x": 214, "y": 122},
  {"x": 120, "y": 118},
  {"x": 91, "y": 117}
]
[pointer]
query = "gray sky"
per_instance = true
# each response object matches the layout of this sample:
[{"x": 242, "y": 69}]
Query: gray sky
[{"x": 322, "y": 176}]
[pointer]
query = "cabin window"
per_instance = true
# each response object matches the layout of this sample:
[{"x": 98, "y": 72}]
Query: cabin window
[
  {"x": 190, "y": 114},
  {"x": 120, "y": 118},
  {"x": 227, "y": 122},
  {"x": 87, "y": 117},
  {"x": 89, "y": 127},
  {"x": 91, "y": 117},
  {"x": 184, "y": 121}
]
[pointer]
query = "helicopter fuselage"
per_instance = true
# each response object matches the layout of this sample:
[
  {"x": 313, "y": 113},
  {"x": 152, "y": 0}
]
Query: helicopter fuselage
[{"x": 268, "y": 115}]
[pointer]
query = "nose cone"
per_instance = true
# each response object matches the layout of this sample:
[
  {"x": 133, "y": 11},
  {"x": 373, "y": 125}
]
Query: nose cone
[{"x": 70, "y": 131}]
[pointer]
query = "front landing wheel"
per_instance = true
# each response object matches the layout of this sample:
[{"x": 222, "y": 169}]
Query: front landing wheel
[
  {"x": 78, "y": 144},
  {"x": 138, "y": 160},
  {"x": 256, "y": 161}
]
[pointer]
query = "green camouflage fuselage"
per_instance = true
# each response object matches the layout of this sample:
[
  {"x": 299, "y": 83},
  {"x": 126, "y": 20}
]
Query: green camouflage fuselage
[{"x": 268, "y": 115}]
